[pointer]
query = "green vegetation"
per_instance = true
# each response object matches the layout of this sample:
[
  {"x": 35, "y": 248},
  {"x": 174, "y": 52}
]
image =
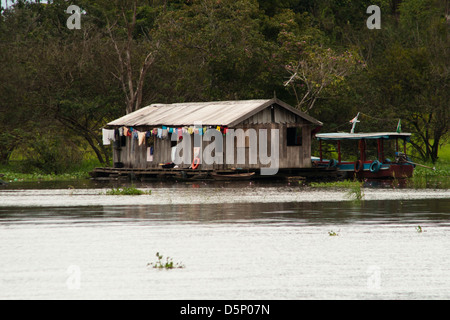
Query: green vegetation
[
  {"x": 427, "y": 178},
  {"x": 127, "y": 191},
  {"x": 333, "y": 234},
  {"x": 442, "y": 165},
  {"x": 336, "y": 184},
  {"x": 28, "y": 177},
  {"x": 356, "y": 193},
  {"x": 61, "y": 86},
  {"x": 21, "y": 171},
  {"x": 355, "y": 188},
  {"x": 167, "y": 264}
]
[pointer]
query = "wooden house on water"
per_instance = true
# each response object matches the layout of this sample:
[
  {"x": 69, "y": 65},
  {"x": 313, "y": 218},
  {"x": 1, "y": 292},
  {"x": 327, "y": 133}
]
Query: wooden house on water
[{"x": 147, "y": 138}]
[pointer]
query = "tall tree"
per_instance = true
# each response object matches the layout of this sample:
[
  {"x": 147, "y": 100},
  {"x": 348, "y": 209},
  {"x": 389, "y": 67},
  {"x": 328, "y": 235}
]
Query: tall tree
[
  {"x": 135, "y": 49},
  {"x": 319, "y": 70},
  {"x": 213, "y": 50},
  {"x": 411, "y": 79}
]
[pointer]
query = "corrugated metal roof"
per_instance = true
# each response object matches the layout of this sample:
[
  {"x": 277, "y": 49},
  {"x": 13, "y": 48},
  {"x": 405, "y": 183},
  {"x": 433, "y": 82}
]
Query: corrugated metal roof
[{"x": 222, "y": 113}]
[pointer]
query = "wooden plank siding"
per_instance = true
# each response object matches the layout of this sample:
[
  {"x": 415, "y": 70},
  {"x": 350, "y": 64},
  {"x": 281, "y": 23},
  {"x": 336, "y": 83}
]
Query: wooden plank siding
[{"x": 134, "y": 156}]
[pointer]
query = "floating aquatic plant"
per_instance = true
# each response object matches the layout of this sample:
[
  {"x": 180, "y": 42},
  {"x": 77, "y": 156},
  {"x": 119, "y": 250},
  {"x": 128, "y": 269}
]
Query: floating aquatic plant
[
  {"x": 128, "y": 191},
  {"x": 356, "y": 193},
  {"x": 335, "y": 184},
  {"x": 167, "y": 264},
  {"x": 419, "y": 229}
]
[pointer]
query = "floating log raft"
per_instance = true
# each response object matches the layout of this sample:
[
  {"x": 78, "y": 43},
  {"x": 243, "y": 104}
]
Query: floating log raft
[{"x": 181, "y": 174}]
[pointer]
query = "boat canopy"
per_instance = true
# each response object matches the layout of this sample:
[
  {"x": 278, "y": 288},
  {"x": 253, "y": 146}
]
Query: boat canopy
[{"x": 360, "y": 136}]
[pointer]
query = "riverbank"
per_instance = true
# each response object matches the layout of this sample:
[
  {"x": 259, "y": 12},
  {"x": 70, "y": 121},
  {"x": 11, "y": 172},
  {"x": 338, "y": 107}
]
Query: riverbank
[{"x": 18, "y": 172}]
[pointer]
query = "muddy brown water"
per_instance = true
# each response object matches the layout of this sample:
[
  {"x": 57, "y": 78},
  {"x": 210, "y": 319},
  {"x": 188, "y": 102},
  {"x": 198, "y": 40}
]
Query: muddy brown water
[{"x": 236, "y": 241}]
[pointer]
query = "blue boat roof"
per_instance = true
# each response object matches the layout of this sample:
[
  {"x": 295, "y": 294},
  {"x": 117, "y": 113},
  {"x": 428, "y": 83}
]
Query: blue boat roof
[{"x": 359, "y": 136}]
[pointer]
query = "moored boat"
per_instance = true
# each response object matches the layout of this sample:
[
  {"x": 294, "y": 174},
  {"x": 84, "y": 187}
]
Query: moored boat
[{"x": 379, "y": 167}]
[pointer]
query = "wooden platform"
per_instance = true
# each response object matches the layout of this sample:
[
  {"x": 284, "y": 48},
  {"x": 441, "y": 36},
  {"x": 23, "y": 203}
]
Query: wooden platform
[{"x": 180, "y": 174}]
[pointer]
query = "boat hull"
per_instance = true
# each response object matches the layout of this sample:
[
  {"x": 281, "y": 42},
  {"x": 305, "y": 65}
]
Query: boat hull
[
  {"x": 399, "y": 171},
  {"x": 386, "y": 170}
]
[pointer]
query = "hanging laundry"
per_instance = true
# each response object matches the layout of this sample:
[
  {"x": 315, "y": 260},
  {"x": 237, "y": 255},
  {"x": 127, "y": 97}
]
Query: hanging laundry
[
  {"x": 117, "y": 138},
  {"x": 159, "y": 133},
  {"x": 149, "y": 154},
  {"x": 164, "y": 134},
  {"x": 108, "y": 136},
  {"x": 125, "y": 131},
  {"x": 141, "y": 137}
]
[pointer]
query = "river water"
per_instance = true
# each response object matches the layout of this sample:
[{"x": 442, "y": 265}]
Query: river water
[{"x": 236, "y": 241}]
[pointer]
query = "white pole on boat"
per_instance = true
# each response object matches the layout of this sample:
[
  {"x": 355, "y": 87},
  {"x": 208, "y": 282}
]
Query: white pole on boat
[{"x": 354, "y": 121}]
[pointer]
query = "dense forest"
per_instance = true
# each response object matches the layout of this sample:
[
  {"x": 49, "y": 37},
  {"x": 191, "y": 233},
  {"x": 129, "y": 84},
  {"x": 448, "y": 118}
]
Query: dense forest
[{"x": 60, "y": 83}]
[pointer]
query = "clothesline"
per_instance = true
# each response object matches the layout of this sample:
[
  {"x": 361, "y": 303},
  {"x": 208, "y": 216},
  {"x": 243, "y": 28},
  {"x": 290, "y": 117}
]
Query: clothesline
[
  {"x": 161, "y": 133},
  {"x": 379, "y": 119}
]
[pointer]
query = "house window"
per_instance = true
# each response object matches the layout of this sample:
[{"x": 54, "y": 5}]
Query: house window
[{"x": 294, "y": 136}]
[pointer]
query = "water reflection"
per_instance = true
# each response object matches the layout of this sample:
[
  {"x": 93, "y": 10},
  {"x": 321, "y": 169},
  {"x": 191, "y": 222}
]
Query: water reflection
[
  {"x": 302, "y": 213},
  {"x": 231, "y": 250}
]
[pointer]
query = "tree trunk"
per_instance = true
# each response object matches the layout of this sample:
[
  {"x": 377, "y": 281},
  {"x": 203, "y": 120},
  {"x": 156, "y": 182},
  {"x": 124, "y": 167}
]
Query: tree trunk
[{"x": 131, "y": 86}]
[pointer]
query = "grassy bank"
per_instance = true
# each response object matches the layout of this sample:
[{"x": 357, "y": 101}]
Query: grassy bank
[
  {"x": 442, "y": 169},
  {"x": 427, "y": 178},
  {"x": 15, "y": 172},
  {"x": 442, "y": 166}
]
